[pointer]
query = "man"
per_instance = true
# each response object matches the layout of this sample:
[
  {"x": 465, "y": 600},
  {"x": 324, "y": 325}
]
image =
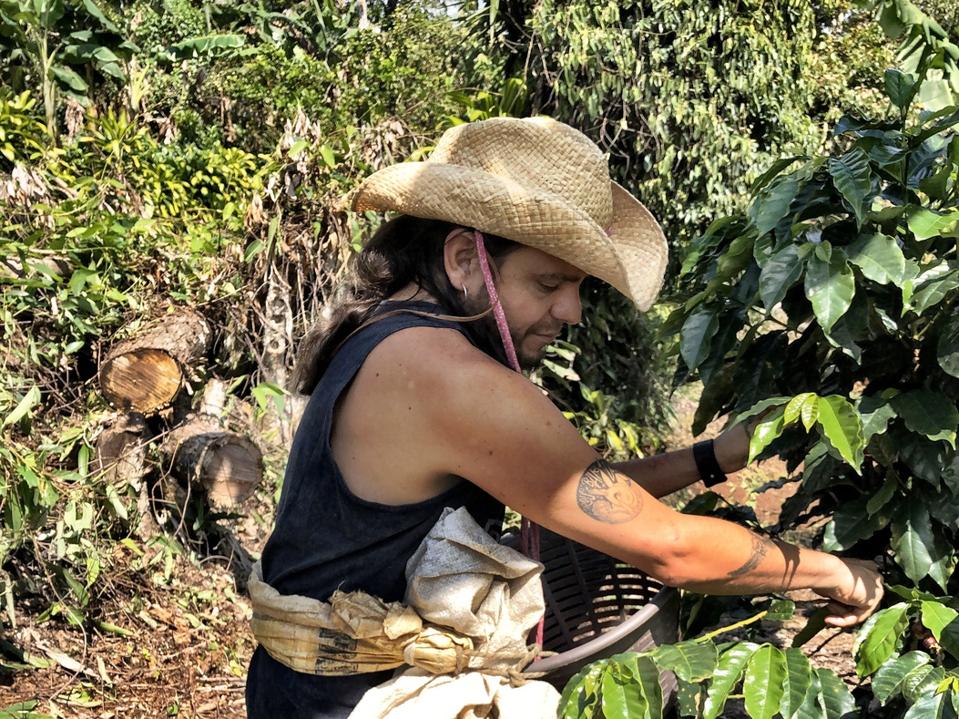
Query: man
[{"x": 417, "y": 401}]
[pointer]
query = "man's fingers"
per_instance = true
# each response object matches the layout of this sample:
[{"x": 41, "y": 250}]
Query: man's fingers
[
  {"x": 842, "y": 615},
  {"x": 842, "y": 621}
]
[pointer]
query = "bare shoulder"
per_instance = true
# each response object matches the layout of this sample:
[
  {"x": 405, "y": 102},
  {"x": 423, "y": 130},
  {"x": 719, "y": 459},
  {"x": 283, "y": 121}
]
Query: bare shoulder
[
  {"x": 432, "y": 358},
  {"x": 383, "y": 436},
  {"x": 443, "y": 385}
]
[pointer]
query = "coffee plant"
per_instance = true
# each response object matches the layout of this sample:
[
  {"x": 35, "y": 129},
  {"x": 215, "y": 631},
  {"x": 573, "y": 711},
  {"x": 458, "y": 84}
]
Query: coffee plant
[
  {"x": 774, "y": 682},
  {"x": 829, "y": 306}
]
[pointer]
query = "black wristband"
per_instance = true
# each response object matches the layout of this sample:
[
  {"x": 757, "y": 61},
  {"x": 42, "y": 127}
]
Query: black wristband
[{"x": 704, "y": 453}]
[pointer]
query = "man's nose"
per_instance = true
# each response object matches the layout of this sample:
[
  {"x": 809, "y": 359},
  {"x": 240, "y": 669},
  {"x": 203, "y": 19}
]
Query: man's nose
[{"x": 568, "y": 308}]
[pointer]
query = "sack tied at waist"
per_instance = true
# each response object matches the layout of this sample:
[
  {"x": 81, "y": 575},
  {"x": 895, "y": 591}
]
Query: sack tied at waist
[
  {"x": 353, "y": 633},
  {"x": 470, "y": 604}
]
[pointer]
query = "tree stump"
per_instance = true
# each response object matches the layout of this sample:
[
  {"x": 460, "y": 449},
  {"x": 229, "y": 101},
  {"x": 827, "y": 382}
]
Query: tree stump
[
  {"x": 145, "y": 373},
  {"x": 226, "y": 466}
]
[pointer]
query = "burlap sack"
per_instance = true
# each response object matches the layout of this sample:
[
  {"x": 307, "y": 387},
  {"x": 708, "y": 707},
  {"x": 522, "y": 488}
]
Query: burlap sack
[
  {"x": 462, "y": 579},
  {"x": 353, "y": 633},
  {"x": 470, "y": 604}
]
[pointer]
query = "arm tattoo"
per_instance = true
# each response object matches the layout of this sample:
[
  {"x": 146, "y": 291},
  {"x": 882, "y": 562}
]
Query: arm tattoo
[
  {"x": 607, "y": 496},
  {"x": 758, "y": 551}
]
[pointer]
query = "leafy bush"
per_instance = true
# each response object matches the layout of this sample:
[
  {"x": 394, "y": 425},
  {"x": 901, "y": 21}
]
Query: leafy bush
[
  {"x": 774, "y": 682},
  {"x": 830, "y": 305},
  {"x": 610, "y": 376},
  {"x": 911, "y": 649},
  {"x": 48, "y": 43},
  {"x": 22, "y": 134},
  {"x": 706, "y": 92},
  {"x": 151, "y": 198},
  {"x": 843, "y": 280}
]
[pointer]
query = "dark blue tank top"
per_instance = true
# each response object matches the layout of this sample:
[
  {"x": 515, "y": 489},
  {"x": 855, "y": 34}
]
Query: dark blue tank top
[{"x": 327, "y": 538}]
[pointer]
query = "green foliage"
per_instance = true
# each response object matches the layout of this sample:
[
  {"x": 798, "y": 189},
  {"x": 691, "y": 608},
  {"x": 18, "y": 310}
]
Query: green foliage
[
  {"x": 842, "y": 280},
  {"x": 681, "y": 94},
  {"x": 22, "y": 134},
  {"x": 911, "y": 650},
  {"x": 609, "y": 377},
  {"x": 926, "y": 50},
  {"x": 49, "y": 43},
  {"x": 214, "y": 164},
  {"x": 775, "y": 683},
  {"x": 407, "y": 74},
  {"x": 829, "y": 305},
  {"x": 219, "y": 138}
]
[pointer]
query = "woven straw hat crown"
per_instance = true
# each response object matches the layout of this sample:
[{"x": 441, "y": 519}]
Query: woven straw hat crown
[{"x": 538, "y": 182}]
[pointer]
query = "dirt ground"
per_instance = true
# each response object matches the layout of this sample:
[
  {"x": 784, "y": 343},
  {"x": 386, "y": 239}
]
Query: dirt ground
[
  {"x": 177, "y": 644},
  {"x": 176, "y": 647}
]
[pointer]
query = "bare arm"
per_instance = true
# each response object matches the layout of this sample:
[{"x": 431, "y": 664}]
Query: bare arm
[
  {"x": 713, "y": 556},
  {"x": 662, "y": 474},
  {"x": 496, "y": 429}
]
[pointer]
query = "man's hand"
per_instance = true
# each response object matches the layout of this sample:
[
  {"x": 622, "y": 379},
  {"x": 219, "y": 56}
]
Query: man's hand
[
  {"x": 732, "y": 445},
  {"x": 732, "y": 448},
  {"x": 856, "y": 595}
]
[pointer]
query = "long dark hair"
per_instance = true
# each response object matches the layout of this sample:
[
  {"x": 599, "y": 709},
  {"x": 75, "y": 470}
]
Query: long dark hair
[{"x": 406, "y": 250}]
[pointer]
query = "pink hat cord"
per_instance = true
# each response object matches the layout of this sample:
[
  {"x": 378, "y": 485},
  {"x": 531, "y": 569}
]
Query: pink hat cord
[
  {"x": 529, "y": 532},
  {"x": 494, "y": 300}
]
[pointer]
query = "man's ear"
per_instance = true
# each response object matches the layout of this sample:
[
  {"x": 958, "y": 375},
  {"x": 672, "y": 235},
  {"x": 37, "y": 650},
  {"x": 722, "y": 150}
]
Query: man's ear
[{"x": 460, "y": 262}]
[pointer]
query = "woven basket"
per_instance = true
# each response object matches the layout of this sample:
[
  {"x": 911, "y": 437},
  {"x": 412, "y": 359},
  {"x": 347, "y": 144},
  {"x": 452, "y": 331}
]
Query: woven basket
[{"x": 597, "y": 607}]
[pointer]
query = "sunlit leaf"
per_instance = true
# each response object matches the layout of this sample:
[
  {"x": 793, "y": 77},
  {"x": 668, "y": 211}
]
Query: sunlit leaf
[
  {"x": 30, "y": 400},
  {"x": 764, "y": 434},
  {"x": 842, "y": 426},
  {"x": 772, "y": 204},
  {"x": 887, "y": 681},
  {"x": 900, "y": 87},
  {"x": 837, "y": 700},
  {"x": 728, "y": 672},
  {"x": 925, "y": 223},
  {"x": 690, "y": 661},
  {"x": 830, "y": 288},
  {"x": 876, "y": 413},
  {"x": 763, "y": 685},
  {"x": 580, "y": 691},
  {"x": 929, "y": 706},
  {"x": 917, "y": 548},
  {"x": 797, "y": 682},
  {"x": 852, "y": 177},
  {"x": 622, "y": 696},
  {"x": 882, "y": 638},
  {"x": 879, "y": 258}
]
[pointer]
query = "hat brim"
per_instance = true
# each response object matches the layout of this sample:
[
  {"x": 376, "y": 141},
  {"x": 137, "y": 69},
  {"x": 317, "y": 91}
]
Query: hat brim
[{"x": 630, "y": 254}]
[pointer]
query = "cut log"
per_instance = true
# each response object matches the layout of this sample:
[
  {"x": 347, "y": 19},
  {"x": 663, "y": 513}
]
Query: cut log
[
  {"x": 121, "y": 460},
  {"x": 145, "y": 373},
  {"x": 225, "y": 465},
  {"x": 213, "y": 399},
  {"x": 121, "y": 450}
]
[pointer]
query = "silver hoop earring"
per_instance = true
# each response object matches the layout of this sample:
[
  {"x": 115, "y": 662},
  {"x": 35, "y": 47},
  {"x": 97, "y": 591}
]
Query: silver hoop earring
[{"x": 466, "y": 294}]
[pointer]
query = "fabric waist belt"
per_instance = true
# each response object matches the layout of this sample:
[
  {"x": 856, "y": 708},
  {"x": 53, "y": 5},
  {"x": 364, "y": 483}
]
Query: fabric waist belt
[{"x": 353, "y": 633}]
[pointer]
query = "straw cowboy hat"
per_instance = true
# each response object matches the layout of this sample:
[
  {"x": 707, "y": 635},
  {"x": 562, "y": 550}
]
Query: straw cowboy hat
[{"x": 538, "y": 182}]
